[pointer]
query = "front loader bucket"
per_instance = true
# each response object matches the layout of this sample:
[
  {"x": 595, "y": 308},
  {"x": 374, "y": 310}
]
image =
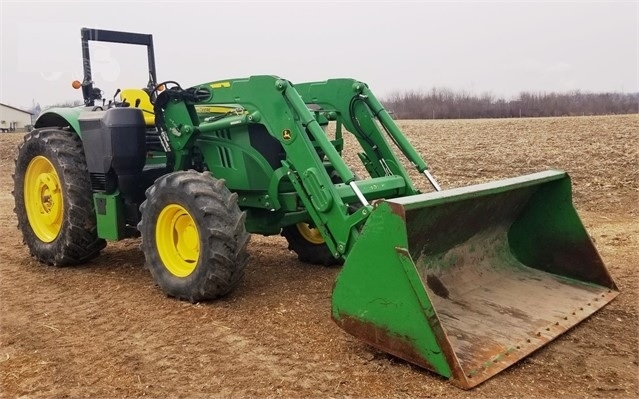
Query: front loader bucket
[{"x": 468, "y": 281}]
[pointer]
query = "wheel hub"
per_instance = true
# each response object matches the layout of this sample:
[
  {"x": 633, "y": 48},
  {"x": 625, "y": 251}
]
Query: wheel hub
[
  {"x": 310, "y": 234},
  {"x": 178, "y": 240},
  {"x": 43, "y": 199}
]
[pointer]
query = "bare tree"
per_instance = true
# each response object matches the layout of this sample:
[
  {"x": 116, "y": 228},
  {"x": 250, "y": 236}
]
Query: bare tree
[{"x": 442, "y": 103}]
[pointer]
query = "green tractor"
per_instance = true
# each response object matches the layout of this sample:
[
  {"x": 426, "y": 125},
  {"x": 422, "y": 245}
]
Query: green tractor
[{"x": 463, "y": 282}]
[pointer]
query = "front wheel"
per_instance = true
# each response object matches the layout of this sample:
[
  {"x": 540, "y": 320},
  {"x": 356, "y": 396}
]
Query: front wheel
[
  {"x": 309, "y": 245},
  {"x": 193, "y": 236}
]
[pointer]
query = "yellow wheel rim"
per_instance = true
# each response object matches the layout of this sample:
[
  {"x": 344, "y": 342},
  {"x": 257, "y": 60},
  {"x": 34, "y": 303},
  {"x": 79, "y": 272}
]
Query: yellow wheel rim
[
  {"x": 178, "y": 240},
  {"x": 43, "y": 199},
  {"x": 310, "y": 234}
]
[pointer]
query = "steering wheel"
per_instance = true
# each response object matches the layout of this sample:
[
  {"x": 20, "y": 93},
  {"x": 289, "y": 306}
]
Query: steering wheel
[{"x": 160, "y": 87}]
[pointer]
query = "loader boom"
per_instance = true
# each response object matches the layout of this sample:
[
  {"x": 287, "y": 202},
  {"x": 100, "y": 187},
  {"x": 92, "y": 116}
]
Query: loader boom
[{"x": 284, "y": 112}]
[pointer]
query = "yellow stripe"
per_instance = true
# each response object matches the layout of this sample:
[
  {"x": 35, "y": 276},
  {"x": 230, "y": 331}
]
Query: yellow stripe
[
  {"x": 208, "y": 109},
  {"x": 218, "y": 85}
]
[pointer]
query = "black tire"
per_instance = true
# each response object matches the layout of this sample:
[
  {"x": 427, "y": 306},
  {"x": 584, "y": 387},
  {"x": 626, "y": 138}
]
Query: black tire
[
  {"x": 72, "y": 239},
  {"x": 313, "y": 251},
  {"x": 209, "y": 209}
]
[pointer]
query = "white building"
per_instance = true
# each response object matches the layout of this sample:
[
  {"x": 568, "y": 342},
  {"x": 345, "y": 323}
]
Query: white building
[{"x": 14, "y": 119}]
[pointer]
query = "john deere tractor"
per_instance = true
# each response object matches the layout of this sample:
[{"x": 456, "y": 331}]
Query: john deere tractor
[{"x": 463, "y": 282}]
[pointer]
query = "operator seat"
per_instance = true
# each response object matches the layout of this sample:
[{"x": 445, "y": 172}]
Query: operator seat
[{"x": 131, "y": 96}]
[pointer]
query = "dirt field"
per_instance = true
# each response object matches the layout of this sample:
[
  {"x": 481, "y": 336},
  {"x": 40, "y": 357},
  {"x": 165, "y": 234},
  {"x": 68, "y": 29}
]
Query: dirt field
[{"x": 104, "y": 329}]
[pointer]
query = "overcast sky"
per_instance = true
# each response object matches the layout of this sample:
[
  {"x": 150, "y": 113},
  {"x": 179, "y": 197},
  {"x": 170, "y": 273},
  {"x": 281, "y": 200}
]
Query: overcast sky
[{"x": 498, "y": 47}]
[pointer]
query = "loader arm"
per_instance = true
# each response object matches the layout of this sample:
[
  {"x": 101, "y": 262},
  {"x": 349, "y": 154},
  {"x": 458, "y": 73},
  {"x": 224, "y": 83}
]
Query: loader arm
[
  {"x": 281, "y": 109},
  {"x": 354, "y": 105}
]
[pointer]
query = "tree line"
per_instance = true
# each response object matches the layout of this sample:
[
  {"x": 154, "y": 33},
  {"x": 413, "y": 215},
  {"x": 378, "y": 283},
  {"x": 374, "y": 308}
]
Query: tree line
[{"x": 441, "y": 103}]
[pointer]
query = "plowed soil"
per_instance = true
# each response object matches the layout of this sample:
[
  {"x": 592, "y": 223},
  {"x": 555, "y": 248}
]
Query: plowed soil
[{"x": 104, "y": 329}]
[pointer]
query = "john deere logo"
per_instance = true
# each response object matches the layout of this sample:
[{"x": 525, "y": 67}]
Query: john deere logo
[{"x": 286, "y": 134}]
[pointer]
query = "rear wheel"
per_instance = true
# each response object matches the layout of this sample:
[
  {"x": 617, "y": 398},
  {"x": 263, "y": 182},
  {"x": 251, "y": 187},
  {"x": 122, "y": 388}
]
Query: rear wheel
[
  {"x": 53, "y": 198},
  {"x": 193, "y": 236},
  {"x": 309, "y": 245}
]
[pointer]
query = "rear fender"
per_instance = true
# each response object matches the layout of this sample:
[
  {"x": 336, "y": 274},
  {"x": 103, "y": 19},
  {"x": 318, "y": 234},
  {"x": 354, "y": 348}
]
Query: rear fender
[{"x": 60, "y": 117}]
